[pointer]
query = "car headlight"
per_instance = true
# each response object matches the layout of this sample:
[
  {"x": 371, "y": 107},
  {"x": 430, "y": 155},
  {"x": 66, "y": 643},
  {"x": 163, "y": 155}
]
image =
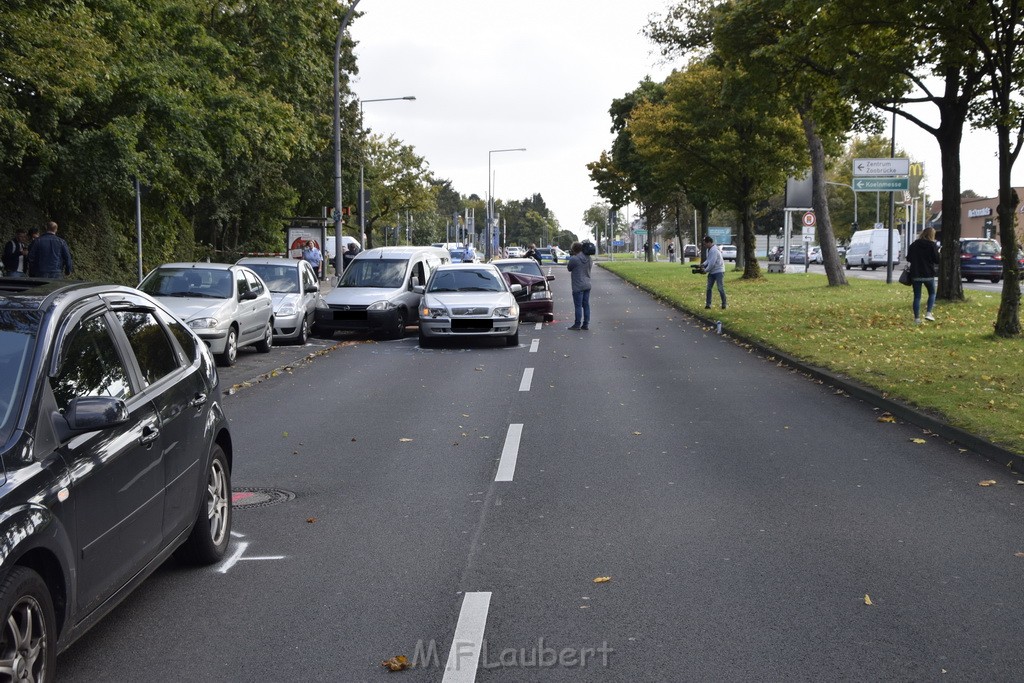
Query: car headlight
[
  {"x": 541, "y": 295},
  {"x": 203, "y": 323},
  {"x": 380, "y": 306},
  {"x": 506, "y": 311},
  {"x": 288, "y": 309},
  {"x": 428, "y": 312}
]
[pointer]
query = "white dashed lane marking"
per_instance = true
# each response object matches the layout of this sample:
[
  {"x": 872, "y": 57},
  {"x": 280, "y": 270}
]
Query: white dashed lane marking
[
  {"x": 509, "y": 454},
  {"x": 524, "y": 385},
  {"x": 534, "y": 345},
  {"x": 464, "y": 656}
]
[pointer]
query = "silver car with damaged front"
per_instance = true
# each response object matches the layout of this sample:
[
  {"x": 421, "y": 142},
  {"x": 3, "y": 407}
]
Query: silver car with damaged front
[{"x": 468, "y": 300}]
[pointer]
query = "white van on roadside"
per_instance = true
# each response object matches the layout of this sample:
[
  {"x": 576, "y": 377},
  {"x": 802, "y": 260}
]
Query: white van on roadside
[
  {"x": 870, "y": 249},
  {"x": 375, "y": 294}
]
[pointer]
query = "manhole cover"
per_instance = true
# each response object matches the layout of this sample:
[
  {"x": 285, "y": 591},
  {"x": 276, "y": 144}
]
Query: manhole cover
[{"x": 258, "y": 498}]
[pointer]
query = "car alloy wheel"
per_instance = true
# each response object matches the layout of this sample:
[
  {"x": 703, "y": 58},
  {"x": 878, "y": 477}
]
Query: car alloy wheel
[
  {"x": 27, "y": 635},
  {"x": 264, "y": 345},
  {"x": 230, "y": 348},
  {"x": 303, "y": 332},
  {"x": 212, "y": 528}
]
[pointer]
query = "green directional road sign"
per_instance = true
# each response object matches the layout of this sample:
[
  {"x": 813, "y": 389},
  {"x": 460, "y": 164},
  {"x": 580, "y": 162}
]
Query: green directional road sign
[
  {"x": 880, "y": 184},
  {"x": 639, "y": 231}
]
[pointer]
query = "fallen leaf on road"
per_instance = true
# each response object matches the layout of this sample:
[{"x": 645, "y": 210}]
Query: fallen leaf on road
[
  {"x": 919, "y": 441},
  {"x": 311, "y": 520},
  {"x": 396, "y": 663},
  {"x": 284, "y": 434},
  {"x": 602, "y": 579},
  {"x": 886, "y": 417},
  {"x": 1018, "y": 554},
  {"x": 405, "y": 439},
  {"x": 1020, "y": 483},
  {"x": 636, "y": 433},
  {"x": 987, "y": 482},
  {"x": 867, "y": 599}
]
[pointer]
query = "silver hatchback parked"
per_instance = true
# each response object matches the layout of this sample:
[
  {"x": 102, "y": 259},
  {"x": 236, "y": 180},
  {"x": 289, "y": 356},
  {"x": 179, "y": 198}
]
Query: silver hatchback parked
[
  {"x": 295, "y": 290},
  {"x": 228, "y": 306}
]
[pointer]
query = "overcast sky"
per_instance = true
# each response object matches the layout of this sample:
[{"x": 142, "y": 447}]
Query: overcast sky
[{"x": 539, "y": 74}]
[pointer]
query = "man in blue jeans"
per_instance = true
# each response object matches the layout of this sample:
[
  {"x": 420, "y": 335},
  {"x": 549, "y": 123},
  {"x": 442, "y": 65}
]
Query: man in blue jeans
[
  {"x": 714, "y": 266},
  {"x": 579, "y": 273}
]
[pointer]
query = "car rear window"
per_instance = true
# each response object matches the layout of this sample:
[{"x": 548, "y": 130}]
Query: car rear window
[{"x": 980, "y": 247}]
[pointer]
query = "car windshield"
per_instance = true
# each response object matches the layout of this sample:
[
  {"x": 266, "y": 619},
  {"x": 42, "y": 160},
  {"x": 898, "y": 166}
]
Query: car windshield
[
  {"x": 530, "y": 267},
  {"x": 465, "y": 281},
  {"x": 374, "y": 272},
  {"x": 18, "y": 331},
  {"x": 280, "y": 278},
  {"x": 981, "y": 247},
  {"x": 210, "y": 283}
]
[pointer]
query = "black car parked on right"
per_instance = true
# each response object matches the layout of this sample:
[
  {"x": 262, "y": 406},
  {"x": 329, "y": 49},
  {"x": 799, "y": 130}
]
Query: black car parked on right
[{"x": 116, "y": 453}]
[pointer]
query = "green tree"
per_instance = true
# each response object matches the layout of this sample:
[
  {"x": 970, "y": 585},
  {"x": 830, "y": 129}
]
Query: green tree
[{"x": 398, "y": 180}]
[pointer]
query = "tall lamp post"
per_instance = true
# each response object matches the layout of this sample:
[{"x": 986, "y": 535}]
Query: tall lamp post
[
  {"x": 362, "y": 201},
  {"x": 337, "y": 122},
  {"x": 490, "y": 200}
]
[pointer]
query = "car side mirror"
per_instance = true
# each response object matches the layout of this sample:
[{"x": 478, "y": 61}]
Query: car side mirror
[
  {"x": 516, "y": 288},
  {"x": 92, "y": 413},
  {"x": 312, "y": 289},
  {"x": 247, "y": 296},
  {"x": 414, "y": 283},
  {"x": 419, "y": 289}
]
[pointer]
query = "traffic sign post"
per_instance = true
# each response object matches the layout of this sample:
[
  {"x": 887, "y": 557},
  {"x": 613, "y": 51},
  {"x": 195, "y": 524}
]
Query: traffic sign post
[{"x": 880, "y": 184}]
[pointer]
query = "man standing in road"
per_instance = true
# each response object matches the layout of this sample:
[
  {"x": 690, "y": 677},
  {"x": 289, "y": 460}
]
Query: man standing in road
[
  {"x": 714, "y": 266},
  {"x": 579, "y": 273},
  {"x": 49, "y": 255}
]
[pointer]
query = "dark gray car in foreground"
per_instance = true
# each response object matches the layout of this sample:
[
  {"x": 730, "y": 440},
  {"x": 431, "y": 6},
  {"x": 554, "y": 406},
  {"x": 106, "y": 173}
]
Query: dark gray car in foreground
[{"x": 116, "y": 453}]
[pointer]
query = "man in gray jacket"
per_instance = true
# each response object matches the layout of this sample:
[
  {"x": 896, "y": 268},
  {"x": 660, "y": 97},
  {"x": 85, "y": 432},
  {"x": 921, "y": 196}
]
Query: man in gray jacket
[
  {"x": 579, "y": 272},
  {"x": 714, "y": 266}
]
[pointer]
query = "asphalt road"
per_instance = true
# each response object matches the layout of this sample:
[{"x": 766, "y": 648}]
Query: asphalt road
[{"x": 744, "y": 514}]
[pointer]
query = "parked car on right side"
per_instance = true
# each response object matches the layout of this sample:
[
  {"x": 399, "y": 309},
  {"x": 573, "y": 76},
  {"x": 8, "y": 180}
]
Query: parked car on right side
[
  {"x": 690, "y": 251},
  {"x": 980, "y": 258}
]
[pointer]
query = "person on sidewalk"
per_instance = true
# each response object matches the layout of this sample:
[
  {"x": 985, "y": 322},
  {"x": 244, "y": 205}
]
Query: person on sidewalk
[
  {"x": 579, "y": 272},
  {"x": 312, "y": 256},
  {"x": 714, "y": 266},
  {"x": 671, "y": 253},
  {"x": 923, "y": 256},
  {"x": 16, "y": 253},
  {"x": 49, "y": 256}
]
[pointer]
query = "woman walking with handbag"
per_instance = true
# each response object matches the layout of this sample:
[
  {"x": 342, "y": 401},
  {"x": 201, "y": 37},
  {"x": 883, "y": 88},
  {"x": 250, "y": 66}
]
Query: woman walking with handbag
[{"x": 923, "y": 255}]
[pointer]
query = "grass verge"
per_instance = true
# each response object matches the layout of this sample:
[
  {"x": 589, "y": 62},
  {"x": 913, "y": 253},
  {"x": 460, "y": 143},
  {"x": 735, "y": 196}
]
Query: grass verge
[{"x": 954, "y": 367}]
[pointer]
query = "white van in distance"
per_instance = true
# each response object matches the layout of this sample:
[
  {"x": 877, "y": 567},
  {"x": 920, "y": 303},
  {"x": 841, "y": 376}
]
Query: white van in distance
[{"x": 870, "y": 249}]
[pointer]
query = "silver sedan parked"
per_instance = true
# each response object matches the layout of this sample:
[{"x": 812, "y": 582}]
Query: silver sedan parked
[{"x": 468, "y": 300}]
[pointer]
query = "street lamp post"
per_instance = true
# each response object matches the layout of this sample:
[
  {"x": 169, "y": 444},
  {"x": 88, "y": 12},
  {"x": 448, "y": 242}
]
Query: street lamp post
[
  {"x": 337, "y": 122},
  {"x": 490, "y": 199},
  {"x": 362, "y": 201}
]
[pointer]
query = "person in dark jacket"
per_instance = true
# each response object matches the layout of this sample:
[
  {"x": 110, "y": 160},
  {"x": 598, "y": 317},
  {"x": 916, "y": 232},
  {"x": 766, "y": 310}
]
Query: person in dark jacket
[
  {"x": 532, "y": 253},
  {"x": 49, "y": 255},
  {"x": 579, "y": 273},
  {"x": 923, "y": 256},
  {"x": 15, "y": 252}
]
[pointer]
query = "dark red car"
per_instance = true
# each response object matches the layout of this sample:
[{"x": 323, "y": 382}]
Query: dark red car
[{"x": 536, "y": 300}]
